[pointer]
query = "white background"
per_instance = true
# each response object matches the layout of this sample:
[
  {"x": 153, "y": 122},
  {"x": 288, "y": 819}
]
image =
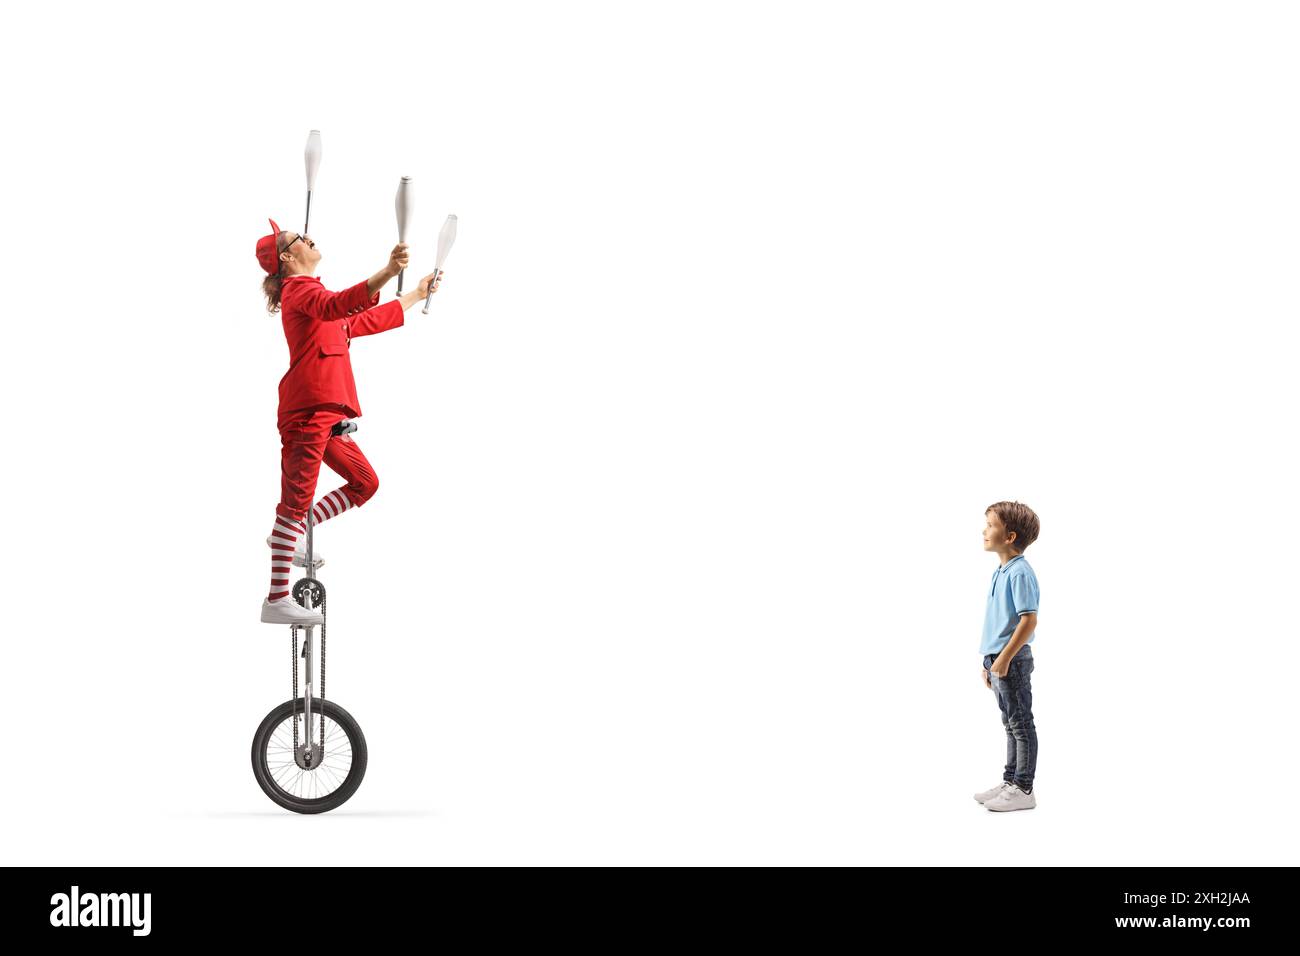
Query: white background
[{"x": 676, "y": 556}]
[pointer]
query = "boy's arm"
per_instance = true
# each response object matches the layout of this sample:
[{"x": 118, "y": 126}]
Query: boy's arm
[
  {"x": 1024, "y": 630},
  {"x": 1024, "y": 594}
]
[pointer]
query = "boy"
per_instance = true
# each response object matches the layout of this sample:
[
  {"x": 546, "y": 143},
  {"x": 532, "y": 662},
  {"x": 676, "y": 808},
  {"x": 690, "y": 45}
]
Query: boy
[{"x": 1009, "y": 622}]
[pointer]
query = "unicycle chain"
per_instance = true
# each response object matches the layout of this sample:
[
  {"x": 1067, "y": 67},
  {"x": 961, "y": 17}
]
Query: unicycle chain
[{"x": 300, "y": 589}]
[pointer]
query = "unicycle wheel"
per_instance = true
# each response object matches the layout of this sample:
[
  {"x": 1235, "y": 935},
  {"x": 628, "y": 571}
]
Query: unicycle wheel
[{"x": 306, "y": 780}]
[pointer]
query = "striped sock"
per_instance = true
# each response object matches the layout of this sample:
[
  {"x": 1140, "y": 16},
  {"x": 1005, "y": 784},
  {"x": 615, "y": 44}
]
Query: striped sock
[
  {"x": 330, "y": 506},
  {"x": 286, "y": 533}
]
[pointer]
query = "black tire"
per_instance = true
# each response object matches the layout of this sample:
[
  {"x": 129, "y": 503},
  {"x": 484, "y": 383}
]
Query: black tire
[{"x": 271, "y": 771}]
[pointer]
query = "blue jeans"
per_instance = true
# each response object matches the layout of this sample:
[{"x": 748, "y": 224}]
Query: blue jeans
[{"x": 1015, "y": 700}]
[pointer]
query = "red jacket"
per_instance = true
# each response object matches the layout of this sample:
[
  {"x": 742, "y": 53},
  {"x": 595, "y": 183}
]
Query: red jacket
[{"x": 319, "y": 326}]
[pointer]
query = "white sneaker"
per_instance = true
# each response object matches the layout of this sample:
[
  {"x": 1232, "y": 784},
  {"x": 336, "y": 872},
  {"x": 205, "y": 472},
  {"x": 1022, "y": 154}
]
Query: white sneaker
[
  {"x": 300, "y": 552},
  {"x": 988, "y": 795},
  {"x": 286, "y": 610},
  {"x": 1012, "y": 798}
]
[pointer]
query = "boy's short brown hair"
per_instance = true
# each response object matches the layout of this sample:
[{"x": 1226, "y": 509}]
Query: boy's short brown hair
[{"x": 1018, "y": 518}]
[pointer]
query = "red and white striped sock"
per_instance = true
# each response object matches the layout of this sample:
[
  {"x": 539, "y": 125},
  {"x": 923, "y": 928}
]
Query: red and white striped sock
[
  {"x": 285, "y": 536},
  {"x": 330, "y": 506}
]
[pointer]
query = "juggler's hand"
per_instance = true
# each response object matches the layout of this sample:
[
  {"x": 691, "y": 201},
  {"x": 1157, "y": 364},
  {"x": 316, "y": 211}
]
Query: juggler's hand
[
  {"x": 398, "y": 258},
  {"x": 423, "y": 287}
]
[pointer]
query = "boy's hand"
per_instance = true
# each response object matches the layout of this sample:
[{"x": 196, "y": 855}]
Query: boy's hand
[
  {"x": 985, "y": 673},
  {"x": 398, "y": 258},
  {"x": 999, "y": 669}
]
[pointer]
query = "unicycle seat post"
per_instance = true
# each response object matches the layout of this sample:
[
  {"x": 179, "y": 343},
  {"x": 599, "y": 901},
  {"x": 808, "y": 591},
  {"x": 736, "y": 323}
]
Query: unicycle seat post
[
  {"x": 311, "y": 570},
  {"x": 308, "y": 652}
]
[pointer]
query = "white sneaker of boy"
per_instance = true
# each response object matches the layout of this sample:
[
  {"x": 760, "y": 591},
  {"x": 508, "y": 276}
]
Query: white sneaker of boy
[{"x": 1012, "y": 798}]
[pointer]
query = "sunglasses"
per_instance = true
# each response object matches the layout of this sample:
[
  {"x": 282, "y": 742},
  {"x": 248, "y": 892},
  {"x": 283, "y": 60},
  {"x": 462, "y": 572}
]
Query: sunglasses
[{"x": 307, "y": 239}]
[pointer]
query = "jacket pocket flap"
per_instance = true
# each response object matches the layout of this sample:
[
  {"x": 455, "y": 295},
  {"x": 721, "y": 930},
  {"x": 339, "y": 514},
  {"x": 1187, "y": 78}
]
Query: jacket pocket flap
[{"x": 333, "y": 348}]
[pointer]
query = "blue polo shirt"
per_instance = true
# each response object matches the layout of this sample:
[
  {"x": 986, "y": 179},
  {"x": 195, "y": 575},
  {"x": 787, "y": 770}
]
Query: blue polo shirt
[{"x": 1014, "y": 592}]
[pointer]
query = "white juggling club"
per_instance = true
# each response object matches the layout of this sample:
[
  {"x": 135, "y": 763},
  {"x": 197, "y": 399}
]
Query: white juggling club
[
  {"x": 404, "y": 203},
  {"x": 312, "y": 156},
  {"x": 445, "y": 238}
]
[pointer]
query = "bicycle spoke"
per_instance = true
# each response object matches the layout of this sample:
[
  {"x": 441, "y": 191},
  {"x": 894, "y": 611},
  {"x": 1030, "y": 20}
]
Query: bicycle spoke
[{"x": 334, "y": 750}]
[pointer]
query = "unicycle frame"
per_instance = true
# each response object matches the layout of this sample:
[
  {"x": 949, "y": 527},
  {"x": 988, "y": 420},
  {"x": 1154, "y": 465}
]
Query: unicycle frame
[{"x": 308, "y": 645}]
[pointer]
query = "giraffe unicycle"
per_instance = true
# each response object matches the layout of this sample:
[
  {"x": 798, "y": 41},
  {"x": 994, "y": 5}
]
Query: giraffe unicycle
[{"x": 309, "y": 754}]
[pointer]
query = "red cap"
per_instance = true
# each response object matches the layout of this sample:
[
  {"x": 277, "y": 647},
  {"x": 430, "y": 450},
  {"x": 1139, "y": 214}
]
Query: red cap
[{"x": 268, "y": 256}]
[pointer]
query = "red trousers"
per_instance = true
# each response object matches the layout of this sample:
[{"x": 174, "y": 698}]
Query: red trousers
[{"x": 305, "y": 441}]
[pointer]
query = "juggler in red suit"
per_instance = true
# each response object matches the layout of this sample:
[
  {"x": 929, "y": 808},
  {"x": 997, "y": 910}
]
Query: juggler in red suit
[{"x": 317, "y": 392}]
